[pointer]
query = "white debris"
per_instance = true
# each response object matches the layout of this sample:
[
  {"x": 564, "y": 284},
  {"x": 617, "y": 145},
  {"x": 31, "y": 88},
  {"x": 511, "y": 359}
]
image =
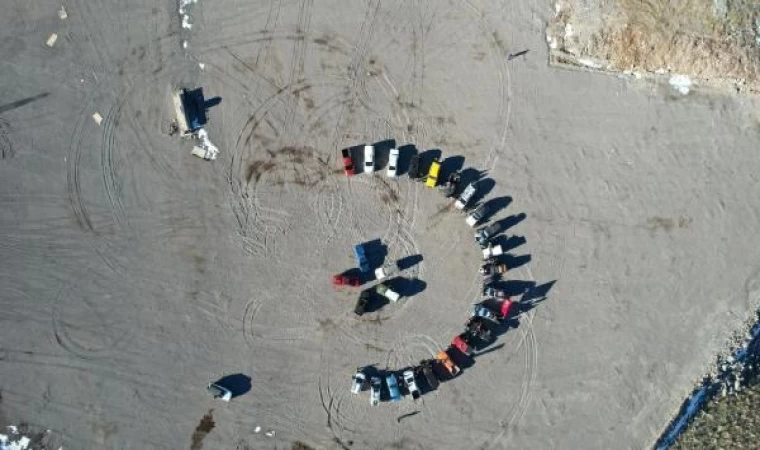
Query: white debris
[
  {"x": 660, "y": 71},
  {"x": 202, "y": 66},
  {"x": 681, "y": 83},
  {"x": 186, "y": 22},
  {"x": 183, "y": 3},
  {"x": 51, "y": 40},
  {"x": 557, "y": 8},
  {"x": 552, "y": 41},
  {"x": 184, "y": 44},
  {"x": 97, "y": 118},
  {"x": 62, "y": 13},
  {"x": 270, "y": 433},
  {"x": 210, "y": 151},
  {"x": 257, "y": 430},
  {"x": 14, "y": 444},
  {"x": 568, "y": 30},
  {"x": 589, "y": 63}
]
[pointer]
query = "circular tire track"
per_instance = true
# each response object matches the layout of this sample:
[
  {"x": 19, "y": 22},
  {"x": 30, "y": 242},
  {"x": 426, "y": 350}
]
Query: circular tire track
[{"x": 64, "y": 331}]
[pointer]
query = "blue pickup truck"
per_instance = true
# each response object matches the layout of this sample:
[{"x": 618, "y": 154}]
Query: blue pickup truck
[{"x": 361, "y": 258}]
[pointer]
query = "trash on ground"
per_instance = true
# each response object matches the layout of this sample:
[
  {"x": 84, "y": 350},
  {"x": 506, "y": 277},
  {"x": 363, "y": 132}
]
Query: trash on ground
[{"x": 51, "y": 40}]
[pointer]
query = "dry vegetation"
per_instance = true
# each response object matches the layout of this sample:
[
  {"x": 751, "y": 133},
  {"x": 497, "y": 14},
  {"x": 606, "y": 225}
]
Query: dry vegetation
[
  {"x": 712, "y": 40},
  {"x": 730, "y": 423}
]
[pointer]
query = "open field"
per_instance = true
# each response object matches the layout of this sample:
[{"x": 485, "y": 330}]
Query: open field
[{"x": 133, "y": 273}]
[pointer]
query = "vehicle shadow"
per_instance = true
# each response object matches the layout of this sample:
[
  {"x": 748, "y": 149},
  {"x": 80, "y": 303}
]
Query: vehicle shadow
[
  {"x": 213, "y": 101},
  {"x": 238, "y": 384},
  {"x": 535, "y": 294},
  {"x": 356, "y": 152},
  {"x": 406, "y": 152},
  {"x": 407, "y": 287},
  {"x": 408, "y": 262},
  {"x": 376, "y": 252},
  {"x": 495, "y": 205},
  {"x": 485, "y": 186},
  {"x": 509, "y": 243},
  {"x": 383, "y": 152},
  {"x": 470, "y": 175},
  {"x": 513, "y": 262},
  {"x": 514, "y": 287},
  {"x": 510, "y": 221},
  {"x": 426, "y": 159},
  {"x": 450, "y": 165},
  {"x": 376, "y": 302}
]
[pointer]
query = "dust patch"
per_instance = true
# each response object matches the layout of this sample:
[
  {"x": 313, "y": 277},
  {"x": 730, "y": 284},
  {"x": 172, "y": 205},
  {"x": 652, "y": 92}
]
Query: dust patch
[
  {"x": 301, "y": 166},
  {"x": 202, "y": 430},
  {"x": 667, "y": 224}
]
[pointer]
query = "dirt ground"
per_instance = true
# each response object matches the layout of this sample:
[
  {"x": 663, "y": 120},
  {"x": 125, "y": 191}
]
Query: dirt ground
[{"x": 133, "y": 273}]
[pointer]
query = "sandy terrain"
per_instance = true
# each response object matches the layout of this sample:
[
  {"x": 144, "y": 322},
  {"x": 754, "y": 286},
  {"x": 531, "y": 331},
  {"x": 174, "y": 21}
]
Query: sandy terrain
[{"x": 134, "y": 273}]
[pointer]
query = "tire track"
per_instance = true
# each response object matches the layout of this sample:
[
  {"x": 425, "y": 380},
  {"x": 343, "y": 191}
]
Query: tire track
[
  {"x": 328, "y": 400},
  {"x": 73, "y": 183},
  {"x": 528, "y": 344},
  {"x": 106, "y": 162},
  {"x": 354, "y": 68},
  {"x": 297, "y": 59},
  {"x": 504, "y": 107},
  {"x": 266, "y": 30},
  {"x": 63, "y": 338},
  {"x": 6, "y": 145}
]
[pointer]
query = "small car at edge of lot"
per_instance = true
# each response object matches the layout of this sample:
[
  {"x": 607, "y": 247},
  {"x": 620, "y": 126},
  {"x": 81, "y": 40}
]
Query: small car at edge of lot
[
  {"x": 348, "y": 163},
  {"x": 375, "y": 385},
  {"x": 369, "y": 159},
  {"x": 219, "y": 392},
  {"x": 358, "y": 381},
  {"x": 393, "y": 163}
]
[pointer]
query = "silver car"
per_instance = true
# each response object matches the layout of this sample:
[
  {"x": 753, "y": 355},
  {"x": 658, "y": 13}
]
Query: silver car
[
  {"x": 411, "y": 384},
  {"x": 358, "y": 380},
  {"x": 375, "y": 385},
  {"x": 477, "y": 215},
  {"x": 466, "y": 196},
  {"x": 393, "y": 163},
  {"x": 219, "y": 392}
]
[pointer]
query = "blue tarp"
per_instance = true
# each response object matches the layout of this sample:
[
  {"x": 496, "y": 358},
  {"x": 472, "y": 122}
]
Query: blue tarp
[{"x": 361, "y": 258}]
